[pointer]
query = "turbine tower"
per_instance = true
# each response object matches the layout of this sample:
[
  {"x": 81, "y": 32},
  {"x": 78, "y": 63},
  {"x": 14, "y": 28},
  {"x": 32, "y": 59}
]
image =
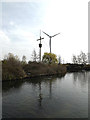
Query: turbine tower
[
  {"x": 50, "y": 39},
  {"x": 40, "y": 45}
]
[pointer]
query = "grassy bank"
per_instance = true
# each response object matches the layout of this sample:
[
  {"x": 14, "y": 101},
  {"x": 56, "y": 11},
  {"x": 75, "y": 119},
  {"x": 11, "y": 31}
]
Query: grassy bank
[{"x": 14, "y": 70}]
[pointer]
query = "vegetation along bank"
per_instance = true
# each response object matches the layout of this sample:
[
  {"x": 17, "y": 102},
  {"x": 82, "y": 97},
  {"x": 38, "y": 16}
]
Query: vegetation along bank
[{"x": 14, "y": 69}]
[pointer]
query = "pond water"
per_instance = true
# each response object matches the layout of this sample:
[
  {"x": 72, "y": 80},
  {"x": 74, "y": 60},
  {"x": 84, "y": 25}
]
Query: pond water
[{"x": 48, "y": 97}]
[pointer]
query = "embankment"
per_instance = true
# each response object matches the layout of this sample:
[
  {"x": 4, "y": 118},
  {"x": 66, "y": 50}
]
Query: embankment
[{"x": 32, "y": 69}]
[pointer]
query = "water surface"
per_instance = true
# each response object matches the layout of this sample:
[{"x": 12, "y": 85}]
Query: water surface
[{"x": 48, "y": 97}]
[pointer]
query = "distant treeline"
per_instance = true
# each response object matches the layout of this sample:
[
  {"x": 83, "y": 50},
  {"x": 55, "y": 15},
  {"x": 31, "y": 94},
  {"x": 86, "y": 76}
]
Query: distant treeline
[
  {"x": 77, "y": 67},
  {"x": 82, "y": 58}
]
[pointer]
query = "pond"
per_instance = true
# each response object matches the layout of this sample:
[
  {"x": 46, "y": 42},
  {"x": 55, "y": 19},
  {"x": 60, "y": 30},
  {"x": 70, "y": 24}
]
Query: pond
[{"x": 47, "y": 97}]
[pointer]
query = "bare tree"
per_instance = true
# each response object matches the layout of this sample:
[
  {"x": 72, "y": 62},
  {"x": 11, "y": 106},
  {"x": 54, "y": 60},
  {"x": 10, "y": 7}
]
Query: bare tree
[
  {"x": 74, "y": 59},
  {"x": 83, "y": 58},
  {"x": 24, "y": 59},
  {"x": 34, "y": 55},
  {"x": 59, "y": 60},
  {"x": 79, "y": 59}
]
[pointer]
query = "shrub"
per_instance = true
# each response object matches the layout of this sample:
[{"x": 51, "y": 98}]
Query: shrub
[{"x": 12, "y": 69}]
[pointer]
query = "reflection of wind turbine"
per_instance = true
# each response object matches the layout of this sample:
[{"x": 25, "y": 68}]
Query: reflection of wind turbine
[{"x": 50, "y": 39}]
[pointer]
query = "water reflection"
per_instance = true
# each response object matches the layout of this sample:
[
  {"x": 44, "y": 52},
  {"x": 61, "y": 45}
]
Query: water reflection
[
  {"x": 36, "y": 85},
  {"x": 40, "y": 95},
  {"x": 50, "y": 90},
  {"x": 6, "y": 86},
  {"x": 48, "y": 81},
  {"x": 52, "y": 97},
  {"x": 81, "y": 77}
]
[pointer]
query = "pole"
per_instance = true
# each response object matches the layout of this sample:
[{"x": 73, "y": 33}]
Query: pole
[
  {"x": 50, "y": 44},
  {"x": 40, "y": 45},
  {"x": 40, "y": 48}
]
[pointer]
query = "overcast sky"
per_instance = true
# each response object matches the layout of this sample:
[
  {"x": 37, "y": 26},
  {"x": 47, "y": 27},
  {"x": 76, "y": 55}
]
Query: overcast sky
[{"x": 22, "y": 21}]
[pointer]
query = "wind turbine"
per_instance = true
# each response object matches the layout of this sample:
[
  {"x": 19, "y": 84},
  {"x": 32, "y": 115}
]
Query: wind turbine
[
  {"x": 50, "y": 39},
  {"x": 40, "y": 45}
]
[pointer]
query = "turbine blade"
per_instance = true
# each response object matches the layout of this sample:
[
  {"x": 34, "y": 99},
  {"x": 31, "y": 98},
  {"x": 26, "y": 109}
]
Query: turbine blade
[
  {"x": 55, "y": 35},
  {"x": 46, "y": 34}
]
